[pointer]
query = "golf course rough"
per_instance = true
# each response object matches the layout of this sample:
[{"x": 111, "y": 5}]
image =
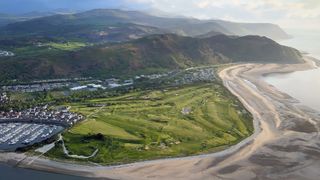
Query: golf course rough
[{"x": 152, "y": 124}]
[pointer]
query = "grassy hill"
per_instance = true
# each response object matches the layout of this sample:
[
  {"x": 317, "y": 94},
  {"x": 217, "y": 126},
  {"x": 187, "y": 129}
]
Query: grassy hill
[{"x": 147, "y": 55}]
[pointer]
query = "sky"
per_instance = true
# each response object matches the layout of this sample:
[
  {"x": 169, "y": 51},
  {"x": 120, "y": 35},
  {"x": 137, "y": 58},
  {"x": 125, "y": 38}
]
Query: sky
[{"x": 297, "y": 14}]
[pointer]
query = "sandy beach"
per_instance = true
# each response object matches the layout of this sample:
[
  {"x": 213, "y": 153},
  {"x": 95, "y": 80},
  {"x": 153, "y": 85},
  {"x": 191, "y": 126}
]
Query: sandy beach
[{"x": 285, "y": 144}]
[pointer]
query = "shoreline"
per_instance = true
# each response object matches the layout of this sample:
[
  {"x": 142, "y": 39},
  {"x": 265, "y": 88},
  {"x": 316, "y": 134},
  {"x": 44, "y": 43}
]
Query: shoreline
[{"x": 240, "y": 160}]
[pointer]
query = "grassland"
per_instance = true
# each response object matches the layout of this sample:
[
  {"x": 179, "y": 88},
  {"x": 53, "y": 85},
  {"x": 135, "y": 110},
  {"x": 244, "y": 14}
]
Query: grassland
[
  {"x": 50, "y": 48},
  {"x": 176, "y": 121},
  {"x": 68, "y": 46}
]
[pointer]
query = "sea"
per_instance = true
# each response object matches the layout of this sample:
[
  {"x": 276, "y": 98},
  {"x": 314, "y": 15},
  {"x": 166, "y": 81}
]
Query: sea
[
  {"x": 301, "y": 85},
  {"x": 13, "y": 173}
]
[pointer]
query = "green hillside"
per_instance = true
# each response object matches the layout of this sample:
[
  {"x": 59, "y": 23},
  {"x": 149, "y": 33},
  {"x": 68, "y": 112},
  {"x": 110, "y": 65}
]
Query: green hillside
[{"x": 150, "y": 54}]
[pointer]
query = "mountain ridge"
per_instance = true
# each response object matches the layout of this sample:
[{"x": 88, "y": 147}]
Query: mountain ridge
[
  {"x": 151, "y": 54},
  {"x": 102, "y": 19}
]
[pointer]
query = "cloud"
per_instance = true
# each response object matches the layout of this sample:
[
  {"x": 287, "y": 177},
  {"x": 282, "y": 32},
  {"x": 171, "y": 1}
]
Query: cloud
[{"x": 277, "y": 11}]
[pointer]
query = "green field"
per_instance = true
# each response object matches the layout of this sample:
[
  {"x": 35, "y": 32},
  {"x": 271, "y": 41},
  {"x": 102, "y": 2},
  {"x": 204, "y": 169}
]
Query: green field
[
  {"x": 152, "y": 124},
  {"x": 68, "y": 46}
]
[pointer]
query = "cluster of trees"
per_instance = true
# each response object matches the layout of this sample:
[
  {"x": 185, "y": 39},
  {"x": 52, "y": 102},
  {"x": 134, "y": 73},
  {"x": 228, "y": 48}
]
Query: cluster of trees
[
  {"x": 28, "y": 100},
  {"x": 110, "y": 143}
]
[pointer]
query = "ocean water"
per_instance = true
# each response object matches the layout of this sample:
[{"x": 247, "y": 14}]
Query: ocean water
[
  {"x": 302, "y": 85},
  {"x": 304, "y": 40},
  {"x": 13, "y": 173}
]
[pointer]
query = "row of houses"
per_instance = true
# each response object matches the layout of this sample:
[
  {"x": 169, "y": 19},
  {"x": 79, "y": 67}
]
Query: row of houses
[
  {"x": 47, "y": 85},
  {"x": 189, "y": 75},
  {"x": 196, "y": 75},
  {"x": 37, "y": 87},
  {"x": 61, "y": 116}
]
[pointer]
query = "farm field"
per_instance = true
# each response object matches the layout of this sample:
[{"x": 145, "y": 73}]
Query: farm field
[{"x": 151, "y": 124}]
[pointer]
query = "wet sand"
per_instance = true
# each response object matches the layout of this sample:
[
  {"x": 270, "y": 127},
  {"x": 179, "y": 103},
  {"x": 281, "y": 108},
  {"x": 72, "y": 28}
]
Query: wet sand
[{"x": 285, "y": 145}]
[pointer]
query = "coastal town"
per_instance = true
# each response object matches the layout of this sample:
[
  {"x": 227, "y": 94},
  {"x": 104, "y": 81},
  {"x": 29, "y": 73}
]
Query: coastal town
[
  {"x": 185, "y": 76},
  {"x": 22, "y": 128},
  {"x": 159, "y": 89},
  {"x": 42, "y": 115},
  {"x": 192, "y": 75},
  {"x": 36, "y": 87},
  {"x": 71, "y": 85}
]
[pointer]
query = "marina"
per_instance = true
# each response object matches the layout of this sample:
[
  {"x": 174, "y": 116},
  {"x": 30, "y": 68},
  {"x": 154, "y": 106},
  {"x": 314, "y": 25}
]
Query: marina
[{"x": 18, "y": 135}]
